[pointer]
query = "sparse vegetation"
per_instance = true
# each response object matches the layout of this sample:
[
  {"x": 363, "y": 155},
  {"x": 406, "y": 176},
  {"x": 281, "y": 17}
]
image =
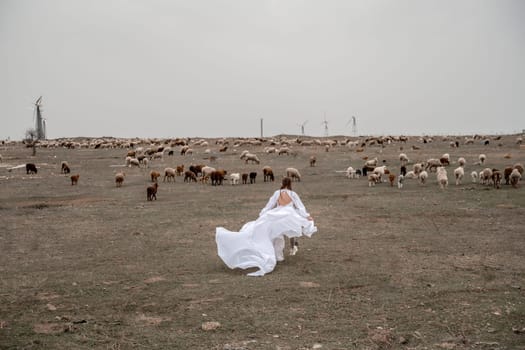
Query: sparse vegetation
[{"x": 93, "y": 266}]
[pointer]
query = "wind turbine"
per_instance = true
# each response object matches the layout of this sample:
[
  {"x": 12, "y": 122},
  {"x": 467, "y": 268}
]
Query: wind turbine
[
  {"x": 353, "y": 120},
  {"x": 302, "y": 126},
  {"x": 40, "y": 122}
]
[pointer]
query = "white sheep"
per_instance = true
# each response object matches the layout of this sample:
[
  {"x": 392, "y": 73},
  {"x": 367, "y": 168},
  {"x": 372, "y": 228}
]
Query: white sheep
[
  {"x": 158, "y": 155},
  {"x": 485, "y": 176},
  {"x": 515, "y": 177},
  {"x": 442, "y": 178},
  {"x": 373, "y": 179},
  {"x": 417, "y": 168},
  {"x": 293, "y": 173},
  {"x": 235, "y": 178},
  {"x": 169, "y": 173},
  {"x": 243, "y": 153},
  {"x": 250, "y": 156},
  {"x": 459, "y": 172},
  {"x": 462, "y": 161},
  {"x": 145, "y": 162},
  {"x": 380, "y": 171},
  {"x": 423, "y": 176},
  {"x": 351, "y": 173},
  {"x": 482, "y": 158},
  {"x": 207, "y": 170},
  {"x": 134, "y": 162},
  {"x": 411, "y": 175},
  {"x": 371, "y": 162},
  {"x": 474, "y": 176}
]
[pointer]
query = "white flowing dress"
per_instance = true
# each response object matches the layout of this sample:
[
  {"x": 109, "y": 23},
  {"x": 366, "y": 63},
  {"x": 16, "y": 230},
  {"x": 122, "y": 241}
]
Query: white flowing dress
[{"x": 260, "y": 243}]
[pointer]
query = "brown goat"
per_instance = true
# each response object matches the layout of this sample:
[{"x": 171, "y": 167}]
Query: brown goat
[
  {"x": 74, "y": 179},
  {"x": 268, "y": 174},
  {"x": 151, "y": 192},
  {"x": 312, "y": 160},
  {"x": 190, "y": 176},
  {"x": 154, "y": 175},
  {"x": 391, "y": 178}
]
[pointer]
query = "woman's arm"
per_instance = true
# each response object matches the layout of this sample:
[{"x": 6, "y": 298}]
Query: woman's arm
[
  {"x": 299, "y": 205},
  {"x": 271, "y": 203}
]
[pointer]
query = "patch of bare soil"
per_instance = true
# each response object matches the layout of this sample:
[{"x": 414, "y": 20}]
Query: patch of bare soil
[{"x": 94, "y": 266}]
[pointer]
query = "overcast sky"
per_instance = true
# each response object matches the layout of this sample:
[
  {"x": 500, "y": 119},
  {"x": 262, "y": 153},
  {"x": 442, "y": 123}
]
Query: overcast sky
[{"x": 215, "y": 68}]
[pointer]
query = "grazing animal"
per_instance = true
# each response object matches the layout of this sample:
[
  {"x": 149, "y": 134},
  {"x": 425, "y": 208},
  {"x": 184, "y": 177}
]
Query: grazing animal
[
  {"x": 253, "y": 175},
  {"x": 74, "y": 179},
  {"x": 293, "y": 174},
  {"x": 373, "y": 179},
  {"x": 474, "y": 176},
  {"x": 496, "y": 178},
  {"x": 268, "y": 174},
  {"x": 151, "y": 192},
  {"x": 391, "y": 178},
  {"x": 442, "y": 178},
  {"x": 371, "y": 163},
  {"x": 169, "y": 173},
  {"x": 433, "y": 164},
  {"x": 417, "y": 168},
  {"x": 217, "y": 177},
  {"x": 154, "y": 175},
  {"x": 223, "y": 149},
  {"x": 180, "y": 169},
  {"x": 515, "y": 177},
  {"x": 403, "y": 170},
  {"x": 423, "y": 176},
  {"x": 485, "y": 176},
  {"x": 249, "y": 156},
  {"x": 506, "y": 174},
  {"x": 351, "y": 173},
  {"x": 119, "y": 179},
  {"x": 462, "y": 161},
  {"x": 234, "y": 178},
  {"x": 519, "y": 167},
  {"x": 244, "y": 177},
  {"x": 482, "y": 158},
  {"x": 190, "y": 176},
  {"x": 313, "y": 160},
  {"x": 65, "y": 168},
  {"x": 31, "y": 168},
  {"x": 197, "y": 169},
  {"x": 459, "y": 172}
]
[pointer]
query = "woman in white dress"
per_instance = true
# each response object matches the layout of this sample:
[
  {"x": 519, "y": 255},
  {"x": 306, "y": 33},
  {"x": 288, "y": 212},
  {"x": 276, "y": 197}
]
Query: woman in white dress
[{"x": 260, "y": 243}]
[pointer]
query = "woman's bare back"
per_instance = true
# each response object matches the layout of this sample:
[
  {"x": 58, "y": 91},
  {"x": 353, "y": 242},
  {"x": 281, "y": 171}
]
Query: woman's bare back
[{"x": 284, "y": 198}]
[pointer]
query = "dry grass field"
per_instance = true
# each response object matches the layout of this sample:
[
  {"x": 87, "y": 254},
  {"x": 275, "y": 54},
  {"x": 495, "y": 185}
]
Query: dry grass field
[{"x": 94, "y": 266}]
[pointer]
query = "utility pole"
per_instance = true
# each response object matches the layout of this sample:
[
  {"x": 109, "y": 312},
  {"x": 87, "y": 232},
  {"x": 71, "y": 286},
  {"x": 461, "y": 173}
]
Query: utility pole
[{"x": 261, "y": 128}]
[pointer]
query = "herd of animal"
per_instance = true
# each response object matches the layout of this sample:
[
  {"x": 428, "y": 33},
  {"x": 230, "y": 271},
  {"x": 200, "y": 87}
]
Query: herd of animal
[
  {"x": 144, "y": 157},
  {"x": 420, "y": 171}
]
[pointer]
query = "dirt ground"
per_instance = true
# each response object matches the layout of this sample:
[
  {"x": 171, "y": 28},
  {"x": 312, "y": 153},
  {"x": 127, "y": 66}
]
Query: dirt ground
[{"x": 93, "y": 266}]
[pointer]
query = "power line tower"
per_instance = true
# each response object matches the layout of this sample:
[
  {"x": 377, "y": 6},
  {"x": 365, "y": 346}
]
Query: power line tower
[{"x": 325, "y": 122}]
